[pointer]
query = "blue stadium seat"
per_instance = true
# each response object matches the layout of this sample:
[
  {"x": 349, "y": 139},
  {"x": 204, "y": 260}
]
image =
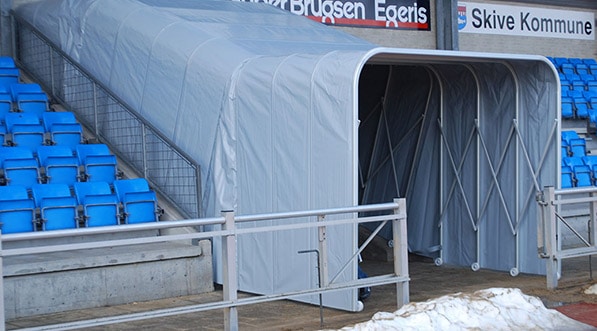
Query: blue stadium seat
[
  {"x": 32, "y": 103},
  {"x": 578, "y": 146},
  {"x": 583, "y": 176},
  {"x": 582, "y": 69},
  {"x": 589, "y": 61},
  {"x": 578, "y": 85},
  {"x": 17, "y": 211},
  {"x": 99, "y": 165},
  {"x": 574, "y": 94},
  {"x": 25, "y": 130},
  {"x": 582, "y": 108},
  {"x": 567, "y": 108},
  {"x": 582, "y": 172},
  {"x": 59, "y": 165},
  {"x": 57, "y": 208},
  {"x": 2, "y": 134},
  {"x": 574, "y": 60},
  {"x": 138, "y": 200},
  {"x": 569, "y": 134},
  {"x": 567, "y": 177},
  {"x": 8, "y": 77},
  {"x": 5, "y": 105},
  {"x": 560, "y": 60},
  {"x": 100, "y": 205},
  {"x": 590, "y": 94},
  {"x": 567, "y": 68},
  {"x": 591, "y": 162},
  {"x": 572, "y": 77},
  {"x": 7, "y": 62},
  {"x": 63, "y": 128},
  {"x": 592, "y": 85},
  {"x": 16, "y": 89},
  {"x": 586, "y": 78},
  {"x": 593, "y": 68},
  {"x": 20, "y": 167}
]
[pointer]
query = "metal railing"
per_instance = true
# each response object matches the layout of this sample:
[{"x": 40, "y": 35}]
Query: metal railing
[
  {"x": 551, "y": 245},
  {"x": 170, "y": 171},
  {"x": 394, "y": 212}
]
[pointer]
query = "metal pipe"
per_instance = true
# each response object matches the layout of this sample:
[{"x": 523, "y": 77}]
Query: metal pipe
[{"x": 318, "y": 282}]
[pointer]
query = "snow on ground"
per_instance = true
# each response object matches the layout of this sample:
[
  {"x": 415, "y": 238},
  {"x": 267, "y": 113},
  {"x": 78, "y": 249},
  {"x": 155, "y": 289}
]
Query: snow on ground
[
  {"x": 490, "y": 309},
  {"x": 592, "y": 289}
]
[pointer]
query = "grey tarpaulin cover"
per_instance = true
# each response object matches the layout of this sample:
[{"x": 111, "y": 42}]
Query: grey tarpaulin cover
[{"x": 287, "y": 114}]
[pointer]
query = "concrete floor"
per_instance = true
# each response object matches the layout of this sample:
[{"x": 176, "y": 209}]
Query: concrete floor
[{"x": 427, "y": 281}]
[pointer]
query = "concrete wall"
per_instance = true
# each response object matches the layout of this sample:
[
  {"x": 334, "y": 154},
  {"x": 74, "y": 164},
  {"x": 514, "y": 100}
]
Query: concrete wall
[{"x": 62, "y": 281}]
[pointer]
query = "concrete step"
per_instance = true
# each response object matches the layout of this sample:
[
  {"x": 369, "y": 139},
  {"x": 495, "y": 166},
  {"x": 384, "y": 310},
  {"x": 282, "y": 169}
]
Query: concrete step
[{"x": 62, "y": 281}]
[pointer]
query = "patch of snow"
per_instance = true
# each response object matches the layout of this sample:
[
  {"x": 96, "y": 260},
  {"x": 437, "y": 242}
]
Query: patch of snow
[
  {"x": 592, "y": 289},
  {"x": 490, "y": 309}
]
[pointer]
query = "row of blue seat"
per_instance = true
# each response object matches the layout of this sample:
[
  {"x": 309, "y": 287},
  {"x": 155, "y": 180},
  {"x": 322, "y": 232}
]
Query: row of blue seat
[
  {"x": 90, "y": 204},
  {"x": 564, "y": 63},
  {"x": 572, "y": 144},
  {"x": 579, "y": 171},
  {"x": 50, "y": 180},
  {"x": 57, "y": 165},
  {"x": 54, "y": 128}
]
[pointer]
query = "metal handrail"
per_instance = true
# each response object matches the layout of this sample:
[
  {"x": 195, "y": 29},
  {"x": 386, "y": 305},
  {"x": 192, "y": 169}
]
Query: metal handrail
[
  {"x": 549, "y": 239},
  {"x": 394, "y": 212}
]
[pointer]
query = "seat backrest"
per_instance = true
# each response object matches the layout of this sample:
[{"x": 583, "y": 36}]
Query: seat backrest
[
  {"x": 84, "y": 189},
  {"x": 16, "y": 89},
  {"x": 7, "y": 62},
  {"x": 13, "y": 193},
  {"x": 124, "y": 186},
  {"x": 573, "y": 161},
  {"x": 13, "y": 119},
  {"x": 42, "y": 191},
  {"x": 34, "y": 103},
  {"x": 45, "y": 152},
  {"x": 8, "y": 77},
  {"x": 84, "y": 150},
  {"x": 63, "y": 117},
  {"x": 11, "y": 153}
]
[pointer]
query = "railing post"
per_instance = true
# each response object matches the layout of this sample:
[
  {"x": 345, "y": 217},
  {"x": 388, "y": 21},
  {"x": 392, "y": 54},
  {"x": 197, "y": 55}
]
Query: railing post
[
  {"x": 551, "y": 245},
  {"x": 323, "y": 253},
  {"x": 52, "y": 79},
  {"x": 593, "y": 221},
  {"x": 230, "y": 283},
  {"x": 144, "y": 148},
  {"x": 95, "y": 112},
  {"x": 400, "y": 238},
  {"x": 2, "y": 315}
]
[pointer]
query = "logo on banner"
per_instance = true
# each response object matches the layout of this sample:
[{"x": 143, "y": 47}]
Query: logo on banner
[
  {"x": 461, "y": 17},
  {"x": 394, "y": 14}
]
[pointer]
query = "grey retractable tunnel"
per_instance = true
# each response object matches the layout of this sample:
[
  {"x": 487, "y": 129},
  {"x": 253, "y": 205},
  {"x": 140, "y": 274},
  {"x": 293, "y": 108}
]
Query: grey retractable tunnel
[{"x": 287, "y": 114}]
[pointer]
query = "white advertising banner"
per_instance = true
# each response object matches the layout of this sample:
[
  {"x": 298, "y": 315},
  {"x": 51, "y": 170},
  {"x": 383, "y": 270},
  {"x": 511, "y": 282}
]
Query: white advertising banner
[
  {"x": 525, "y": 21},
  {"x": 391, "y": 14}
]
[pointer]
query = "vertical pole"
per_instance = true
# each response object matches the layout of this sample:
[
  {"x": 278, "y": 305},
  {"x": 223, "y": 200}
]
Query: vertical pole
[
  {"x": 550, "y": 238},
  {"x": 400, "y": 238},
  {"x": 198, "y": 197},
  {"x": 592, "y": 230},
  {"x": 229, "y": 272},
  {"x": 593, "y": 220},
  {"x": 52, "y": 79},
  {"x": 144, "y": 148},
  {"x": 2, "y": 317},
  {"x": 95, "y": 114},
  {"x": 323, "y": 253}
]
